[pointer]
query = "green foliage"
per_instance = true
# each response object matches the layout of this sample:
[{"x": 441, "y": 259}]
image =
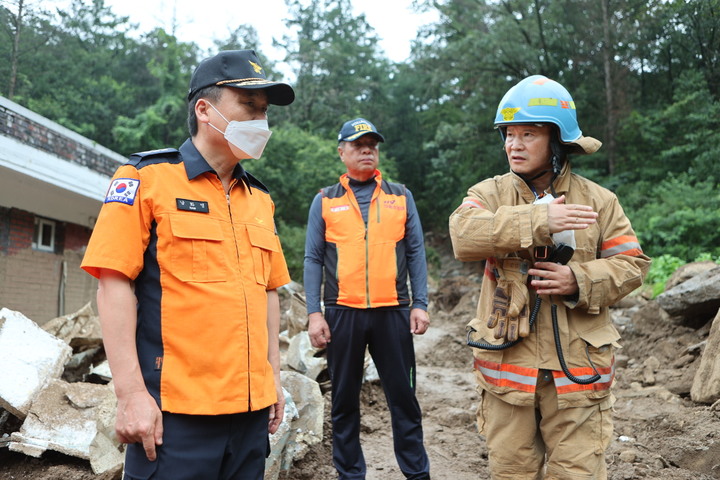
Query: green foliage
[
  {"x": 663, "y": 266},
  {"x": 292, "y": 238},
  {"x": 340, "y": 71},
  {"x": 660, "y": 270},
  {"x": 669, "y": 183},
  {"x": 653, "y": 64},
  {"x": 163, "y": 123}
]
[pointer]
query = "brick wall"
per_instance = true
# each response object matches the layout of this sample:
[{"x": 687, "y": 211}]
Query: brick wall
[
  {"x": 15, "y": 125},
  {"x": 36, "y": 283},
  {"x": 20, "y": 231}
]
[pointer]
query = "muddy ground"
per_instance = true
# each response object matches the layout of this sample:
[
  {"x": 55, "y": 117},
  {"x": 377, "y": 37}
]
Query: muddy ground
[{"x": 659, "y": 433}]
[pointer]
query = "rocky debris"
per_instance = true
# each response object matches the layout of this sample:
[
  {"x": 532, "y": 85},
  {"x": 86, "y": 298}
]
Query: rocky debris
[
  {"x": 695, "y": 301},
  {"x": 31, "y": 358},
  {"x": 75, "y": 419},
  {"x": 706, "y": 385},
  {"x": 296, "y": 313},
  {"x": 687, "y": 271},
  {"x": 302, "y": 425},
  {"x": 301, "y": 356}
]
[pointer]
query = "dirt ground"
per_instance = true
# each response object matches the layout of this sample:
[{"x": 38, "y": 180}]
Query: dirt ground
[{"x": 659, "y": 433}]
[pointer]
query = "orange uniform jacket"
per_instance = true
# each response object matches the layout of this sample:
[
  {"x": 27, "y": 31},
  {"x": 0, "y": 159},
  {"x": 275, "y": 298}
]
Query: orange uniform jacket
[{"x": 201, "y": 261}]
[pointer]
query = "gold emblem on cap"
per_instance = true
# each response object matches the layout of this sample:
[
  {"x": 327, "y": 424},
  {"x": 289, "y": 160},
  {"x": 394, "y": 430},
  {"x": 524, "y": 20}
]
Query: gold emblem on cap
[
  {"x": 255, "y": 67},
  {"x": 509, "y": 113}
]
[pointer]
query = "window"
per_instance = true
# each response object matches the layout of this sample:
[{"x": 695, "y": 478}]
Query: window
[{"x": 44, "y": 236}]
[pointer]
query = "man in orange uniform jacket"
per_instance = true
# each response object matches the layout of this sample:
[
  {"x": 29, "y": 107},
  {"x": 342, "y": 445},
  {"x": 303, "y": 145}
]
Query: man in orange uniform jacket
[{"x": 188, "y": 263}]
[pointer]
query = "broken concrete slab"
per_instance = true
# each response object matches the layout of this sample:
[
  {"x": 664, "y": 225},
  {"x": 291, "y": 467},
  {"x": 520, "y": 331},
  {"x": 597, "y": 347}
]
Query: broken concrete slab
[
  {"x": 32, "y": 358},
  {"x": 102, "y": 371},
  {"x": 75, "y": 419}
]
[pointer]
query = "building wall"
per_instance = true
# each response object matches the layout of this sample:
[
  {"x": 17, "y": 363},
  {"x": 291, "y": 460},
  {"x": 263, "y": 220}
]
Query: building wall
[
  {"x": 42, "y": 285},
  {"x": 52, "y": 138}
]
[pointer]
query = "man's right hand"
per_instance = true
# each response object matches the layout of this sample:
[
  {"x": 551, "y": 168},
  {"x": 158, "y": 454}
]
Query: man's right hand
[
  {"x": 139, "y": 420},
  {"x": 318, "y": 330},
  {"x": 563, "y": 216}
]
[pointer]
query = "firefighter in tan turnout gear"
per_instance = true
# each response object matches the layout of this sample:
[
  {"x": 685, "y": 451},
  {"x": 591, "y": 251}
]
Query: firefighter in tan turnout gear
[{"x": 558, "y": 251}]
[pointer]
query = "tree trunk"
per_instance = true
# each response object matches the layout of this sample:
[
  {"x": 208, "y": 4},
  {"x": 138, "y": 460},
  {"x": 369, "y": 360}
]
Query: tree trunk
[
  {"x": 15, "y": 50},
  {"x": 611, "y": 128}
]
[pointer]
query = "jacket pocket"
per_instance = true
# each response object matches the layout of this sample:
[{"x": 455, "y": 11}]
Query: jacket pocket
[
  {"x": 601, "y": 343},
  {"x": 264, "y": 243},
  {"x": 197, "y": 249}
]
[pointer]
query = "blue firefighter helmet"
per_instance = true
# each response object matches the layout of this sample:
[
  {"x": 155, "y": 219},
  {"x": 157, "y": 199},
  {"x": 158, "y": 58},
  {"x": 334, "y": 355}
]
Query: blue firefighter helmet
[{"x": 538, "y": 99}]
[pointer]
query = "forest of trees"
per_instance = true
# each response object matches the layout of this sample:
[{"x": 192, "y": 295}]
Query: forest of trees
[{"x": 645, "y": 75}]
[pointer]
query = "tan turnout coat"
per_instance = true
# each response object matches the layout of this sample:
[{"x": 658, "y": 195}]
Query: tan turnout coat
[{"x": 497, "y": 220}]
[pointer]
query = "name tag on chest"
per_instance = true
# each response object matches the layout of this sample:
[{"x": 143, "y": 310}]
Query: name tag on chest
[{"x": 192, "y": 205}]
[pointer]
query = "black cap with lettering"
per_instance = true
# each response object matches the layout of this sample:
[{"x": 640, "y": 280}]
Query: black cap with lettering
[
  {"x": 238, "y": 69},
  {"x": 354, "y": 129}
]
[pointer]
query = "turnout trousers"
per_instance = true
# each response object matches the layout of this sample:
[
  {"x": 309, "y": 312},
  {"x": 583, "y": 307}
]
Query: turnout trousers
[
  {"x": 386, "y": 333},
  {"x": 542, "y": 442}
]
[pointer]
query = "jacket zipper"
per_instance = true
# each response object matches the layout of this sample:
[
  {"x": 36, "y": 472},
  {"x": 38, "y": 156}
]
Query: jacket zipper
[{"x": 237, "y": 255}]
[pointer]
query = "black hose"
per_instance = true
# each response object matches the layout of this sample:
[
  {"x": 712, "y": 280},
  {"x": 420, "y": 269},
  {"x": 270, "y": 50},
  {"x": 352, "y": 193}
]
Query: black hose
[
  {"x": 561, "y": 357},
  {"x": 558, "y": 345}
]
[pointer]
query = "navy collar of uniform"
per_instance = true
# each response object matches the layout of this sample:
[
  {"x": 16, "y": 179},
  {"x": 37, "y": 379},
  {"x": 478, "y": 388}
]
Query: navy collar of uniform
[{"x": 195, "y": 164}]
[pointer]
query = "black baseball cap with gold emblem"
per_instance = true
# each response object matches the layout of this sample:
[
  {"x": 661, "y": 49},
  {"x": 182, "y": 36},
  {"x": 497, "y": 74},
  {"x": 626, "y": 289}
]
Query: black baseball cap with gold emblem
[{"x": 238, "y": 69}]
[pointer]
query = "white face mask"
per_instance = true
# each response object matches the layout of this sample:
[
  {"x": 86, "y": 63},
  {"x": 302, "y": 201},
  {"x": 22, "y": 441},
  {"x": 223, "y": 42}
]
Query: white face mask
[{"x": 246, "y": 139}]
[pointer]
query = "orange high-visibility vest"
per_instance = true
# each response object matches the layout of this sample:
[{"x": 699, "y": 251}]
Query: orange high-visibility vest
[{"x": 365, "y": 265}]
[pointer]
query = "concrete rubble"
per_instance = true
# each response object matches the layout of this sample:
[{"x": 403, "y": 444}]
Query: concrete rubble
[
  {"x": 301, "y": 356},
  {"x": 31, "y": 358},
  {"x": 77, "y": 418}
]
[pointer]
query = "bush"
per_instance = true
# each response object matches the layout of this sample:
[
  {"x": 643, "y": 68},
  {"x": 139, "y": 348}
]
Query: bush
[
  {"x": 293, "y": 244},
  {"x": 661, "y": 269}
]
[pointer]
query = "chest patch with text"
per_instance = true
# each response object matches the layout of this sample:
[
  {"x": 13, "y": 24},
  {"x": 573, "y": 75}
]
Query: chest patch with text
[{"x": 186, "y": 205}]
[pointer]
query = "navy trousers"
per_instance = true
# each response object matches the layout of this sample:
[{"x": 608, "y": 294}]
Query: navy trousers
[
  {"x": 386, "y": 332},
  {"x": 219, "y": 447}
]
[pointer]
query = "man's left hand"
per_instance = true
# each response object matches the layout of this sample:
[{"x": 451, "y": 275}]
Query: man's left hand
[
  {"x": 419, "y": 321},
  {"x": 277, "y": 411},
  {"x": 553, "y": 279}
]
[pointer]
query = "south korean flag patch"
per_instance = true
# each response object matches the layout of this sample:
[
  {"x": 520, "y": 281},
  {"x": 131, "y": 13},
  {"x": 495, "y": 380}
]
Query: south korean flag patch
[{"x": 123, "y": 190}]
